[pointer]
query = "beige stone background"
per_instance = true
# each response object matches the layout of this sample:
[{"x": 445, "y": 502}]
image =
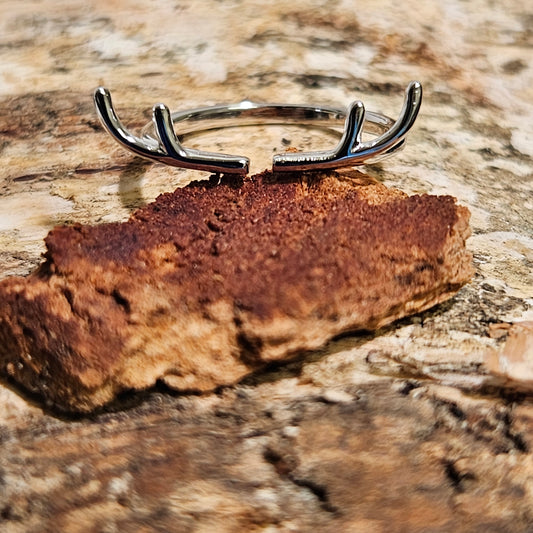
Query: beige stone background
[{"x": 426, "y": 425}]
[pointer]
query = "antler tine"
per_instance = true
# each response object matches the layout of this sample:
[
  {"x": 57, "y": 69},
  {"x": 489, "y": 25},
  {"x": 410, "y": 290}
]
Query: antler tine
[
  {"x": 164, "y": 127},
  {"x": 106, "y": 112},
  {"x": 408, "y": 114},
  {"x": 349, "y": 143},
  {"x": 177, "y": 155},
  {"x": 353, "y": 130}
]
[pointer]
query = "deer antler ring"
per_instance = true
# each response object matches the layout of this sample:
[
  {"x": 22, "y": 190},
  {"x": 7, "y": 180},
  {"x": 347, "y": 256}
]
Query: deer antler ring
[{"x": 159, "y": 141}]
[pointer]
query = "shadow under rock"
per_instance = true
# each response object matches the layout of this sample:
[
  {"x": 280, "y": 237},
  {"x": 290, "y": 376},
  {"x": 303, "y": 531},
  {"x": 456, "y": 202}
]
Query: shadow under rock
[
  {"x": 277, "y": 371},
  {"x": 130, "y": 184},
  {"x": 348, "y": 340}
]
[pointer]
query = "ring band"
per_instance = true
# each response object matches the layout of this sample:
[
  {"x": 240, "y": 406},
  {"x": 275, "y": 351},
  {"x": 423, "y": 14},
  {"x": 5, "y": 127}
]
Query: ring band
[{"x": 159, "y": 140}]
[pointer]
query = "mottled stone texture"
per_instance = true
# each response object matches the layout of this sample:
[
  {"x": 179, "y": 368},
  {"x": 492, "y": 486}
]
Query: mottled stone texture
[
  {"x": 423, "y": 426},
  {"x": 277, "y": 456}
]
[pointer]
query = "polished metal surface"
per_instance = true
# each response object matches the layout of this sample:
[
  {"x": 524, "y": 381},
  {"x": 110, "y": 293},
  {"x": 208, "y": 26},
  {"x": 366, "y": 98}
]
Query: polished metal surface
[{"x": 159, "y": 140}]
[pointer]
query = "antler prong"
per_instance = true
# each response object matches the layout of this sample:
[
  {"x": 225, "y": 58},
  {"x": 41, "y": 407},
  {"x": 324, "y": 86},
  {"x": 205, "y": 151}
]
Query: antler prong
[
  {"x": 187, "y": 158},
  {"x": 408, "y": 114},
  {"x": 147, "y": 148},
  {"x": 353, "y": 129}
]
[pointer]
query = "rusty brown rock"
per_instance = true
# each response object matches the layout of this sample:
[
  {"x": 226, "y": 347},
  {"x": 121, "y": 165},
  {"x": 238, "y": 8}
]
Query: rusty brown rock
[{"x": 213, "y": 281}]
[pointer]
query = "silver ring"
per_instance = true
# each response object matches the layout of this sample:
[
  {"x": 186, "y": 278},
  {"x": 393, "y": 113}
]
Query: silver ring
[{"x": 159, "y": 140}]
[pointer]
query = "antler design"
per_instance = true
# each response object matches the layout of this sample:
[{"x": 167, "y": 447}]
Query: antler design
[
  {"x": 350, "y": 151},
  {"x": 169, "y": 150}
]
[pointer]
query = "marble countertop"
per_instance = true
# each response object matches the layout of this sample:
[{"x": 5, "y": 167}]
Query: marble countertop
[{"x": 305, "y": 446}]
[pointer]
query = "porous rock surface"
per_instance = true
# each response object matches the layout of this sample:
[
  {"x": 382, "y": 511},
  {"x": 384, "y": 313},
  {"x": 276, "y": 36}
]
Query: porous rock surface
[{"x": 215, "y": 280}]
